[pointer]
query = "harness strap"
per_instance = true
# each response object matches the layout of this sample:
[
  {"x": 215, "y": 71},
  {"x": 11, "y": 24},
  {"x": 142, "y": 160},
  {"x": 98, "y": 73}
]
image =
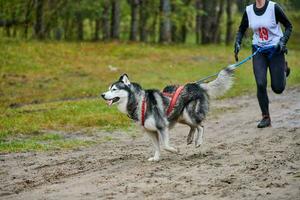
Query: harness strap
[
  {"x": 174, "y": 99},
  {"x": 144, "y": 109}
]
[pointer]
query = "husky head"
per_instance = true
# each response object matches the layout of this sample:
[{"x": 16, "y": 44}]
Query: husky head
[
  {"x": 123, "y": 93},
  {"x": 118, "y": 92}
]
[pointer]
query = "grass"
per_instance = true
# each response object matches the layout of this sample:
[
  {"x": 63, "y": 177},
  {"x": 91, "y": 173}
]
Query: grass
[
  {"x": 55, "y": 86},
  {"x": 41, "y": 142}
]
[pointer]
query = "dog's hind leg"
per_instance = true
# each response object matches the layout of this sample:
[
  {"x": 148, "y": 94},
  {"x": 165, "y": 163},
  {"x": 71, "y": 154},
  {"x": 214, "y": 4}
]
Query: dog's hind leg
[
  {"x": 164, "y": 133},
  {"x": 191, "y": 135},
  {"x": 155, "y": 140},
  {"x": 199, "y": 136}
]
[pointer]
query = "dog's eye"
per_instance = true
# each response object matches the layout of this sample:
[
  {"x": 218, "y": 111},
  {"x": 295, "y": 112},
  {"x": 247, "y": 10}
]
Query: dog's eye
[{"x": 114, "y": 89}]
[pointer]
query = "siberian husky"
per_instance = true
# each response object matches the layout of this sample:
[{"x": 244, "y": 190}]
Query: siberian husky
[{"x": 157, "y": 112}]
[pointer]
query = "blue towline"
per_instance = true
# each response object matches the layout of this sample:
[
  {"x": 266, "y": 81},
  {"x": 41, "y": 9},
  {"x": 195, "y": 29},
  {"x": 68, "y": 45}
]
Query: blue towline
[{"x": 238, "y": 64}]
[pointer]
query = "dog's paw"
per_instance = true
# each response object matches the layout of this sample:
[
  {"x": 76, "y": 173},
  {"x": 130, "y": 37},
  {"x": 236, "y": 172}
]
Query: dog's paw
[
  {"x": 189, "y": 140},
  {"x": 153, "y": 159},
  {"x": 171, "y": 149},
  {"x": 198, "y": 143}
]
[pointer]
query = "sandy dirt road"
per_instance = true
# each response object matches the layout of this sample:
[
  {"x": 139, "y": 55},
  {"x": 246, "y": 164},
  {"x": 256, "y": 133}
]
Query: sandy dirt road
[{"x": 236, "y": 161}]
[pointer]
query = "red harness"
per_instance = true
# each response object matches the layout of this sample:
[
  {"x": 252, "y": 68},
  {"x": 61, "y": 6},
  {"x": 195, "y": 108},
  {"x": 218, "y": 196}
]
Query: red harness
[
  {"x": 144, "y": 109},
  {"x": 173, "y": 96},
  {"x": 174, "y": 99}
]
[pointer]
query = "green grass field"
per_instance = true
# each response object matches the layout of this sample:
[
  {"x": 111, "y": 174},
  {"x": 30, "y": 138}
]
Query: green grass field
[{"x": 56, "y": 86}]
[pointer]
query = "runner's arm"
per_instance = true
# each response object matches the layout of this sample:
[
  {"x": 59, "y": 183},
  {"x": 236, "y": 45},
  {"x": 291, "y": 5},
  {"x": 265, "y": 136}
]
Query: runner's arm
[
  {"x": 282, "y": 18},
  {"x": 242, "y": 28}
]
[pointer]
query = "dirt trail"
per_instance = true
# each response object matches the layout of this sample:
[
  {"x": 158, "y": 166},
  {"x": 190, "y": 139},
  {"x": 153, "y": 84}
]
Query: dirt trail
[{"x": 236, "y": 161}]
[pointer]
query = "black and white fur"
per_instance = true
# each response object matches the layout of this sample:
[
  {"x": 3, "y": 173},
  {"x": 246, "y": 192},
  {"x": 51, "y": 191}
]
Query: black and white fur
[{"x": 191, "y": 107}]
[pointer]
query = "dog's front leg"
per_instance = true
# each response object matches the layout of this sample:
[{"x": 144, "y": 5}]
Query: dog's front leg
[
  {"x": 164, "y": 134},
  {"x": 155, "y": 140}
]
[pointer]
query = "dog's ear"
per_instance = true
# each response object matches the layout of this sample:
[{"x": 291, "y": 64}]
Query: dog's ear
[{"x": 124, "y": 78}]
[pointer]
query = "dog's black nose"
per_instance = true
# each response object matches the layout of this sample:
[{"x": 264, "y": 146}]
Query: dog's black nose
[{"x": 103, "y": 95}]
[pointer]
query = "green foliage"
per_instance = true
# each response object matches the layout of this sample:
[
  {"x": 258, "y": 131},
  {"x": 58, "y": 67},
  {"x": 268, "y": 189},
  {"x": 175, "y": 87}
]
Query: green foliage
[
  {"x": 185, "y": 13},
  {"x": 12, "y": 8},
  {"x": 61, "y": 17},
  {"x": 295, "y": 4}
]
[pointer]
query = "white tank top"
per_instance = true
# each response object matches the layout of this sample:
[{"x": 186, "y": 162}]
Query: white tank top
[{"x": 266, "y": 31}]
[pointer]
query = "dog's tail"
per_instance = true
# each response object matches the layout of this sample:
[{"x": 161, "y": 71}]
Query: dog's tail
[{"x": 221, "y": 84}]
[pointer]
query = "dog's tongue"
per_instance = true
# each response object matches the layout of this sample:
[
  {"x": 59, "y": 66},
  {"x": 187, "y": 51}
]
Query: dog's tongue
[{"x": 109, "y": 102}]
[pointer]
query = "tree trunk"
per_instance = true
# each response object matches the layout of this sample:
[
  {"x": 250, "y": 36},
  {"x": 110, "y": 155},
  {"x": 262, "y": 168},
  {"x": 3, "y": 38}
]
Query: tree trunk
[
  {"x": 229, "y": 22},
  {"x": 174, "y": 29},
  {"x": 73, "y": 30},
  {"x": 51, "y": 20},
  {"x": 174, "y": 36},
  {"x": 115, "y": 19},
  {"x": 7, "y": 30},
  {"x": 165, "y": 23},
  {"x": 198, "y": 21},
  {"x": 183, "y": 33},
  {"x": 134, "y": 20},
  {"x": 183, "y": 25},
  {"x": 241, "y": 5},
  {"x": 143, "y": 20},
  {"x": 14, "y": 33},
  {"x": 211, "y": 31},
  {"x": 29, "y": 7},
  {"x": 39, "y": 32},
  {"x": 210, "y": 21},
  {"x": 105, "y": 20},
  {"x": 66, "y": 25},
  {"x": 204, "y": 23},
  {"x": 14, "y": 28},
  {"x": 58, "y": 33},
  {"x": 79, "y": 23},
  {"x": 154, "y": 27},
  {"x": 97, "y": 29},
  {"x": 216, "y": 28}
]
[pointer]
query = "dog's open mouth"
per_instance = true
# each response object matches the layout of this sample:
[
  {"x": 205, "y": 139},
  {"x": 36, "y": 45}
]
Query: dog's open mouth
[{"x": 111, "y": 101}]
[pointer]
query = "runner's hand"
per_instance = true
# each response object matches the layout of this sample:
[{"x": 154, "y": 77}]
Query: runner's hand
[
  {"x": 281, "y": 47},
  {"x": 237, "y": 48}
]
